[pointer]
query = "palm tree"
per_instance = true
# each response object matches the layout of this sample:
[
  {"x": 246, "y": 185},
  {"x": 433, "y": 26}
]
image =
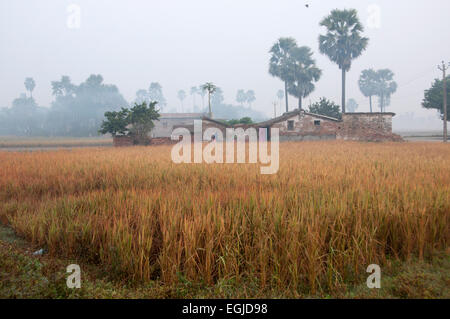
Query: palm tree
[
  {"x": 30, "y": 85},
  {"x": 386, "y": 87},
  {"x": 343, "y": 41},
  {"x": 303, "y": 73},
  {"x": 280, "y": 62},
  {"x": 250, "y": 97},
  {"x": 194, "y": 91},
  {"x": 181, "y": 96},
  {"x": 241, "y": 97},
  {"x": 368, "y": 81},
  {"x": 210, "y": 88}
]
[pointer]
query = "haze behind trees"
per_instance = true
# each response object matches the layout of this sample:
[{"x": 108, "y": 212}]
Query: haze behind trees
[{"x": 191, "y": 43}]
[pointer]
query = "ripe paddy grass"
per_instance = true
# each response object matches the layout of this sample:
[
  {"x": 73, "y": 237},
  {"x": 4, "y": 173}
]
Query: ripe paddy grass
[{"x": 332, "y": 209}]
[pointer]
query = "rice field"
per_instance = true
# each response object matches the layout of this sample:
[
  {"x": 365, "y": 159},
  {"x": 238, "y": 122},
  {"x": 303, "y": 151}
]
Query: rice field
[{"x": 332, "y": 209}]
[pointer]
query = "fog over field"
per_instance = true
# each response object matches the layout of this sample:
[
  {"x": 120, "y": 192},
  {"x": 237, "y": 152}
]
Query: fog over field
[{"x": 181, "y": 44}]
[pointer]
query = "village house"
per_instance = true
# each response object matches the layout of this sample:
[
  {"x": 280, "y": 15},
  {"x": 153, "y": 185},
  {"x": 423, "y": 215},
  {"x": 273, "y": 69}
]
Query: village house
[
  {"x": 162, "y": 132},
  {"x": 301, "y": 126},
  {"x": 297, "y": 125},
  {"x": 169, "y": 121}
]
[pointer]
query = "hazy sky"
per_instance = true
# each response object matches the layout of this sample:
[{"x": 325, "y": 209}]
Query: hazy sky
[{"x": 183, "y": 43}]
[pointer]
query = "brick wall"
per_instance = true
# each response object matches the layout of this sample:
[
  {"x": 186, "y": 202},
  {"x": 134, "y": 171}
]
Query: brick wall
[
  {"x": 119, "y": 141},
  {"x": 162, "y": 141},
  {"x": 307, "y": 127},
  {"x": 375, "y": 127}
]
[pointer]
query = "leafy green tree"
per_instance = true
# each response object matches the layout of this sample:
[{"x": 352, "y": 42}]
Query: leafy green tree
[
  {"x": 325, "y": 107},
  {"x": 116, "y": 122},
  {"x": 244, "y": 120},
  {"x": 386, "y": 86},
  {"x": 141, "y": 117},
  {"x": 136, "y": 122},
  {"x": 241, "y": 97},
  {"x": 280, "y": 62},
  {"x": 30, "y": 85},
  {"x": 181, "y": 96},
  {"x": 434, "y": 97},
  {"x": 303, "y": 73},
  {"x": 352, "y": 105},
  {"x": 210, "y": 88},
  {"x": 343, "y": 41},
  {"x": 250, "y": 97},
  {"x": 368, "y": 84}
]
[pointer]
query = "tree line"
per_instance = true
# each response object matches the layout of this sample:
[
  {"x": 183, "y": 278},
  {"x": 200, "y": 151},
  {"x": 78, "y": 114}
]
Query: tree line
[{"x": 79, "y": 109}]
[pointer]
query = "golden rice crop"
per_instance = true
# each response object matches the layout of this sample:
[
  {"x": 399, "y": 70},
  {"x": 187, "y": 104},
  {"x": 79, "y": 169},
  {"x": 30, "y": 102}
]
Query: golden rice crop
[{"x": 332, "y": 209}]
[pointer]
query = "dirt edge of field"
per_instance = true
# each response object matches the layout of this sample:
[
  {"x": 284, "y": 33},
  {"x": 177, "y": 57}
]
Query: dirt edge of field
[{"x": 23, "y": 274}]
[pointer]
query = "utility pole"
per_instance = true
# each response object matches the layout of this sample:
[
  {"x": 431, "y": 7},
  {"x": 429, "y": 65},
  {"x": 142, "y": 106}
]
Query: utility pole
[{"x": 444, "y": 68}]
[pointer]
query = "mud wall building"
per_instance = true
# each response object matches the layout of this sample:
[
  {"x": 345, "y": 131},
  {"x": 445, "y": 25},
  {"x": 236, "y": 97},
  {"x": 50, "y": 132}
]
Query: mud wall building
[
  {"x": 367, "y": 127},
  {"x": 299, "y": 125}
]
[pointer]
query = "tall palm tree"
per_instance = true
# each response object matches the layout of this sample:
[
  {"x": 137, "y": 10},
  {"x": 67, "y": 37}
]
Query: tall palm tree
[
  {"x": 250, "y": 98},
  {"x": 30, "y": 85},
  {"x": 386, "y": 87},
  {"x": 241, "y": 97},
  {"x": 343, "y": 41},
  {"x": 280, "y": 62},
  {"x": 303, "y": 73},
  {"x": 368, "y": 82},
  {"x": 210, "y": 88}
]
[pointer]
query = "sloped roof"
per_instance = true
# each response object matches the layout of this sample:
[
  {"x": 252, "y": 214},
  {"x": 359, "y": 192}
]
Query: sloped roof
[
  {"x": 288, "y": 115},
  {"x": 190, "y": 127},
  {"x": 369, "y": 113},
  {"x": 181, "y": 116},
  {"x": 206, "y": 118},
  {"x": 323, "y": 116}
]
